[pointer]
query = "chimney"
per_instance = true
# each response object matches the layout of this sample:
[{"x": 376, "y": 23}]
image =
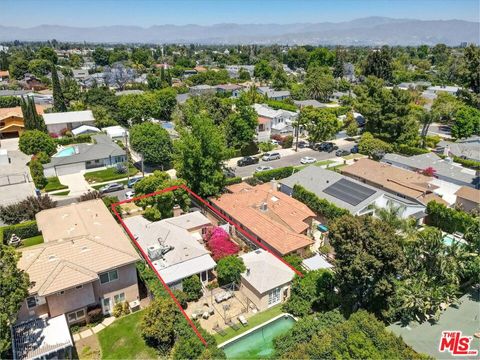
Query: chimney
[
  {"x": 274, "y": 185},
  {"x": 263, "y": 206}
]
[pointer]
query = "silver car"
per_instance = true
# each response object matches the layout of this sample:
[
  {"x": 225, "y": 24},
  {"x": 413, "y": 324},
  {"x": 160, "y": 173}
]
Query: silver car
[
  {"x": 263, "y": 168},
  {"x": 271, "y": 156}
]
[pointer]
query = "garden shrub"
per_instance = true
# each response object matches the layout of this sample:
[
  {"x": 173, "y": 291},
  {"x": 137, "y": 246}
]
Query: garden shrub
[
  {"x": 447, "y": 219},
  {"x": 410, "y": 150},
  {"x": 182, "y": 298},
  {"x": 320, "y": 206},
  {"x": 192, "y": 287},
  {"x": 234, "y": 180},
  {"x": 36, "y": 169},
  {"x": 219, "y": 243},
  {"x": 83, "y": 138},
  {"x": 280, "y": 173},
  {"x": 24, "y": 230},
  {"x": 94, "y": 315}
]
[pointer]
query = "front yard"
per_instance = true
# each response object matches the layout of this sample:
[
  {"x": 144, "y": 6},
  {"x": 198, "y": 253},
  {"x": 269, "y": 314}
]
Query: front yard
[
  {"x": 35, "y": 240},
  {"x": 109, "y": 174},
  {"x": 123, "y": 339},
  {"x": 54, "y": 184},
  {"x": 253, "y": 321}
]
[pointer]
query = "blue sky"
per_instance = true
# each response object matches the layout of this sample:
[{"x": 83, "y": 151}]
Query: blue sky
[{"x": 157, "y": 12}]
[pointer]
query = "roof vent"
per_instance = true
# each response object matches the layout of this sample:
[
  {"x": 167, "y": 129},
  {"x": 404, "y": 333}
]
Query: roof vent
[
  {"x": 52, "y": 258},
  {"x": 263, "y": 206},
  {"x": 248, "y": 271}
]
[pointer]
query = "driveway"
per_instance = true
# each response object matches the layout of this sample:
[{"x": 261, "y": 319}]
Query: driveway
[
  {"x": 15, "y": 181},
  {"x": 76, "y": 183}
]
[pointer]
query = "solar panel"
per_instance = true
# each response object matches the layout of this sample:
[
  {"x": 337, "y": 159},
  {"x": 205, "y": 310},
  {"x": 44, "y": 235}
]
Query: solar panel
[{"x": 349, "y": 191}]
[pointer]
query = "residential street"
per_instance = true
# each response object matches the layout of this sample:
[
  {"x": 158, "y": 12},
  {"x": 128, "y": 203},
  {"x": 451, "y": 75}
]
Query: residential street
[{"x": 289, "y": 160}]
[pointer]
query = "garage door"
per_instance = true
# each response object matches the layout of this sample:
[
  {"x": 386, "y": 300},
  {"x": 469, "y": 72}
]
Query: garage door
[{"x": 69, "y": 169}]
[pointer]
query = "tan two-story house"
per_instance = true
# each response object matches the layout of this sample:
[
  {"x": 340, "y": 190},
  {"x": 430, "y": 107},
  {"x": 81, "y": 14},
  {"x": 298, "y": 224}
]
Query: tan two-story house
[{"x": 86, "y": 260}]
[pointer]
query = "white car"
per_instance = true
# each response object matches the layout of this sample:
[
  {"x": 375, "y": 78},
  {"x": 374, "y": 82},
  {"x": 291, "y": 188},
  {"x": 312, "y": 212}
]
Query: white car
[
  {"x": 263, "y": 168},
  {"x": 129, "y": 195},
  {"x": 308, "y": 160},
  {"x": 271, "y": 156}
]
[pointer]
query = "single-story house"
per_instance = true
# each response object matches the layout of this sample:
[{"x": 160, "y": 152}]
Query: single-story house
[
  {"x": 414, "y": 85},
  {"x": 86, "y": 261},
  {"x": 468, "y": 199},
  {"x": 234, "y": 70},
  {"x": 314, "y": 103},
  {"x": 402, "y": 183},
  {"x": 267, "y": 280},
  {"x": 273, "y": 94},
  {"x": 56, "y": 122},
  {"x": 202, "y": 90},
  {"x": 272, "y": 218},
  {"x": 347, "y": 193},
  {"x": 11, "y": 121},
  {"x": 445, "y": 170},
  {"x": 115, "y": 132},
  {"x": 234, "y": 89},
  {"x": 468, "y": 148},
  {"x": 80, "y": 74},
  {"x": 175, "y": 246},
  {"x": 79, "y": 157},
  {"x": 452, "y": 90},
  {"x": 42, "y": 338}
]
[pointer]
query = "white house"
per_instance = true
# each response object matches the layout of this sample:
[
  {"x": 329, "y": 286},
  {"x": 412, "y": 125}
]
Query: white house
[
  {"x": 273, "y": 94},
  {"x": 272, "y": 121},
  {"x": 56, "y": 122}
]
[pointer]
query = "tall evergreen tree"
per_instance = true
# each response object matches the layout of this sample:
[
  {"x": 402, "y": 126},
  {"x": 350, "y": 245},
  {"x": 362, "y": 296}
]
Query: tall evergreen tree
[
  {"x": 31, "y": 119},
  {"x": 59, "y": 104}
]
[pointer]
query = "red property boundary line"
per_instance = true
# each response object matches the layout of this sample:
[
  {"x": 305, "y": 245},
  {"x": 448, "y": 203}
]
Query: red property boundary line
[{"x": 147, "y": 259}]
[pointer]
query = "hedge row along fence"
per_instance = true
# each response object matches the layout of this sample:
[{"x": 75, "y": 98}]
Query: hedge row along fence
[
  {"x": 320, "y": 206},
  {"x": 449, "y": 220},
  {"x": 280, "y": 173},
  {"x": 24, "y": 230}
]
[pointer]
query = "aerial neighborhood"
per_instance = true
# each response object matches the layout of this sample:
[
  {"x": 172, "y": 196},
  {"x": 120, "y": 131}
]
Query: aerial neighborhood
[{"x": 234, "y": 200}]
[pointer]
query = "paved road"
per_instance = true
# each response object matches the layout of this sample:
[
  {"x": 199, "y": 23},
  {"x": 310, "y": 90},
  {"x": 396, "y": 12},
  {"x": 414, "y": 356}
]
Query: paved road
[
  {"x": 290, "y": 160},
  {"x": 439, "y": 129}
]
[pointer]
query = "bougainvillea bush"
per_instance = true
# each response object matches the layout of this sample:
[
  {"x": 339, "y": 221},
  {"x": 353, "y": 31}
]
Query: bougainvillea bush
[{"x": 219, "y": 243}]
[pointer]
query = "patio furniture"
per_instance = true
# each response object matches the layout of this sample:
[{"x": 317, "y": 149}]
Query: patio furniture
[
  {"x": 219, "y": 330},
  {"x": 242, "y": 320},
  {"x": 206, "y": 315},
  {"x": 233, "y": 325},
  {"x": 211, "y": 310},
  {"x": 225, "y": 295}
]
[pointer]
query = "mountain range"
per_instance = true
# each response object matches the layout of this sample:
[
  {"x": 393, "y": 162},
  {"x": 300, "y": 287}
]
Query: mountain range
[{"x": 371, "y": 31}]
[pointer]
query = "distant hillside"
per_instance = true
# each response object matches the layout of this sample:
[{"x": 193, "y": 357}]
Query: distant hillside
[{"x": 365, "y": 31}]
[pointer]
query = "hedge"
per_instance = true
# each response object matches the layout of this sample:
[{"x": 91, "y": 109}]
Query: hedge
[
  {"x": 151, "y": 281},
  {"x": 233, "y": 180},
  {"x": 448, "y": 219},
  {"x": 67, "y": 140},
  {"x": 36, "y": 169},
  {"x": 472, "y": 164},
  {"x": 410, "y": 150},
  {"x": 319, "y": 206},
  {"x": 24, "y": 230},
  {"x": 280, "y": 173}
]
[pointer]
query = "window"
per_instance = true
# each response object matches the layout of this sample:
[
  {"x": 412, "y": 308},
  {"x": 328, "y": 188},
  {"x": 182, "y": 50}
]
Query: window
[
  {"x": 61, "y": 292},
  {"x": 119, "y": 298},
  {"x": 76, "y": 315},
  {"x": 31, "y": 302},
  {"x": 79, "y": 287},
  {"x": 108, "y": 277},
  {"x": 274, "y": 297}
]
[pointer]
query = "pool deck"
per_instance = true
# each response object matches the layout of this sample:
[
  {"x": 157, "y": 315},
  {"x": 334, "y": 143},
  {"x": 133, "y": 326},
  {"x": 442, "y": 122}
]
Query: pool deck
[{"x": 255, "y": 328}]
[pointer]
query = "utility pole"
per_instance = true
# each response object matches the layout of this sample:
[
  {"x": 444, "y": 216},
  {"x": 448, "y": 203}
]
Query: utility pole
[{"x": 128, "y": 156}]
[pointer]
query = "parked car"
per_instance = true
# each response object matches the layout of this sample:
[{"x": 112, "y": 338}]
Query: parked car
[
  {"x": 133, "y": 181},
  {"x": 247, "y": 160},
  {"x": 263, "y": 168},
  {"x": 271, "y": 156},
  {"x": 274, "y": 142},
  {"x": 342, "y": 152},
  {"x": 327, "y": 147},
  {"x": 129, "y": 195},
  {"x": 354, "y": 149},
  {"x": 308, "y": 160},
  {"x": 111, "y": 188},
  {"x": 302, "y": 144}
]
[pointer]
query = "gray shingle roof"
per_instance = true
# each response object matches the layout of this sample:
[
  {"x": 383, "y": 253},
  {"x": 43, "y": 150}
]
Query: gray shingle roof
[
  {"x": 102, "y": 149},
  {"x": 443, "y": 168},
  {"x": 316, "y": 180}
]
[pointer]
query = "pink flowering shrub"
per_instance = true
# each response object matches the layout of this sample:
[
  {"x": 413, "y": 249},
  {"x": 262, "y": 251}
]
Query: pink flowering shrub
[{"x": 219, "y": 243}]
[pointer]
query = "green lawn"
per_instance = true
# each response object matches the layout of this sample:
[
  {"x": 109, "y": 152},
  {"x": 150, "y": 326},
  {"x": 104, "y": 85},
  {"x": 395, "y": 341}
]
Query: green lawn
[
  {"x": 61, "y": 193},
  {"x": 108, "y": 174},
  {"x": 353, "y": 156},
  {"x": 54, "y": 184},
  {"x": 123, "y": 340},
  {"x": 32, "y": 241},
  {"x": 337, "y": 167},
  {"x": 252, "y": 322},
  {"x": 318, "y": 163},
  {"x": 96, "y": 187}
]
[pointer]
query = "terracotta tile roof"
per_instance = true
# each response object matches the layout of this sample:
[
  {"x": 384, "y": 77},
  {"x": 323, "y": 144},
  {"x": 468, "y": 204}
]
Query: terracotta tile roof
[
  {"x": 17, "y": 111},
  {"x": 238, "y": 187},
  {"x": 280, "y": 225},
  {"x": 394, "y": 179},
  {"x": 469, "y": 193},
  {"x": 81, "y": 241},
  {"x": 4, "y": 73}
]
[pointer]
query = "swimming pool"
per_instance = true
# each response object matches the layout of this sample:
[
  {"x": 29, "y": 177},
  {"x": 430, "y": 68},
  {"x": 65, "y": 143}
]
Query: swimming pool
[
  {"x": 65, "y": 152},
  {"x": 258, "y": 344},
  {"x": 448, "y": 240}
]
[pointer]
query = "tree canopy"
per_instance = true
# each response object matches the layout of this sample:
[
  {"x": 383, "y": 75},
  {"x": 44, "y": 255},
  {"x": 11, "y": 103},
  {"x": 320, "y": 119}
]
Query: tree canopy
[
  {"x": 32, "y": 142},
  {"x": 153, "y": 142}
]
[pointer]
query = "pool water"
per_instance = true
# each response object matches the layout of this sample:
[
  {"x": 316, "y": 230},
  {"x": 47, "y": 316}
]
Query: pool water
[
  {"x": 448, "y": 240},
  {"x": 258, "y": 344},
  {"x": 65, "y": 152}
]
